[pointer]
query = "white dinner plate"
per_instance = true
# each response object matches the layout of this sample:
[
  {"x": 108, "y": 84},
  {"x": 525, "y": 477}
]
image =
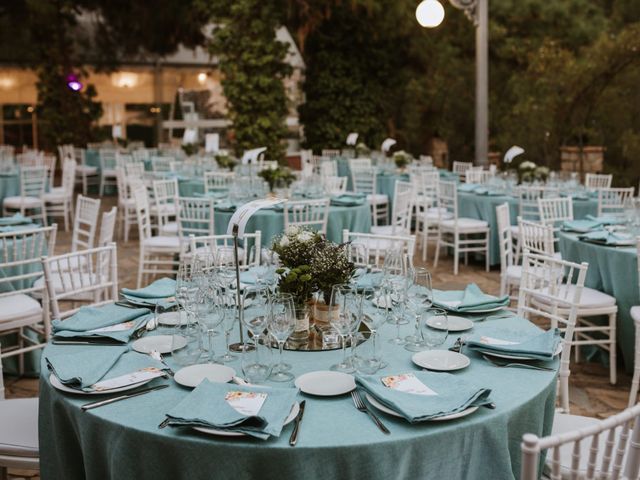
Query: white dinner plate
[
  {"x": 170, "y": 318},
  {"x": 486, "y": 310},
  {"x": 453, "y": 416},
  {"x": 454, "y": 323},
  {"x": 441, "y": 360},
  {"x": 161, "y": 343},
  {"x": 226, "y": 433},
  {"x": 518, "y": 357},
  {"x": 57, "y": 384},
  {"x": 192, "y": 375},
  {"x": 325, "y": 383}
]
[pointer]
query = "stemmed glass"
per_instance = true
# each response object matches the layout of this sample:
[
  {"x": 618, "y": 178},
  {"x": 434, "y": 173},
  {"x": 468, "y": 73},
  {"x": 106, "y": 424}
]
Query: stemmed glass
[
  {"x": 373, "y": 318},
  {"x": 228, "y": 322},
  {"x": 282, "y": 321},
  {"x": 255, "y": 302},
  {"x": 435, "y": 327},
  {"x": 419, "y": 296},
  {"x": 396, "y": 287},
  {"x": 348, "y": 316},
  {"x": 265, "y": 268},
  {"x": 209, "y": 314}
]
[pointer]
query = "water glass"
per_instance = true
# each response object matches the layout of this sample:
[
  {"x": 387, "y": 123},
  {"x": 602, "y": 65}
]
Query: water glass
[
  {"x": 185, "y": 342},
  {"x": 257, "y": 363},
  {"x": 281, "y": 323},
  {"x": 419, "y": 297},
  {"x": 255, "y": 301},
  {"x": 435, "y": 327},
  {"x": 346, "y": 320},
  {"x": 228, "y": 322}
]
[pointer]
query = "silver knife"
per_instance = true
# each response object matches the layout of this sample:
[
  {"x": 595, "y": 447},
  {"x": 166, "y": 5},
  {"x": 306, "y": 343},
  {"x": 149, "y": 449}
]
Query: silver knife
[
  {"x": 89, "y": 406},
  {"x": 294, "y": 435}
]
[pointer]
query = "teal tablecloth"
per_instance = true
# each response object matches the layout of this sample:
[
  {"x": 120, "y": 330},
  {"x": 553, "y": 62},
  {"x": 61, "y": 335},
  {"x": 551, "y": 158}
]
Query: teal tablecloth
[
  {"x": 483, "y": 207},
  {"x": 9, "y": 185},
  {"x": 122, "y": 440},
  {"x": 612, "y": 270}
]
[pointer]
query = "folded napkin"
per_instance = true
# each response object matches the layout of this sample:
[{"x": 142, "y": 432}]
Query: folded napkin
[
  {"x": 249, "y": 277},
  {"x": 540, "y": 346},
  {"x": 82, "y": 366},
  {"x": 605, "y": 220},
  {"x": 17, "y": 219},
  {"x": 162, "y": 288},
  {"x": 104, "y": 321},
  {"x": 604, "y": 237},
  {"x": 581, "y": 226},
  {"x": 452, "y": 395},
  {"x": 368, "y": 280},
  {"x": 469, "y": 300},
  {"x": 346, "y": 200},
  {"x": 206, "y": 406}
]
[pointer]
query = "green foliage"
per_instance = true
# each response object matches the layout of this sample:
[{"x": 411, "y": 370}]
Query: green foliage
[
  {"x": 225, "y": 161},
  {"x": 253, "y": 65},
  {"x": 275, "y": 176},
  {"x": 330, "y": 266}
]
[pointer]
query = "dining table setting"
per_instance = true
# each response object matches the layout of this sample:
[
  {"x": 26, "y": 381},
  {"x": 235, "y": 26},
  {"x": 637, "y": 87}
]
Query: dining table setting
[{"x": 411, "y": 382}]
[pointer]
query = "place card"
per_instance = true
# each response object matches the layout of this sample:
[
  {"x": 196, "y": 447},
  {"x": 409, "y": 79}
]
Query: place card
[
  {"x": 496, "y": 341},
  {"x": 407, "y": 383},
  {"x": 138, "y": 376},
  {"x": 120, "y": 327},
  {"x": 246, "y": 403}
]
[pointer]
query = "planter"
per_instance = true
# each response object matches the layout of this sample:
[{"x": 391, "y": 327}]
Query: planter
[
  {"x": 322, "y": 315},
  {"x": 301, "y": 330}
]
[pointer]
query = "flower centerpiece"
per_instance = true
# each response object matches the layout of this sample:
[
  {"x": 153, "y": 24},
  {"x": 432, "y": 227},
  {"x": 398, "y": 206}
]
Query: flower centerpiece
[
  {"x": 190, "y": 148},
  {"x": 279, "y": 175},
  {"x": 401, "y": 159},
  {"x": 541, "y": 174},
  {"x": 362, "y": 150},
  {"x": 526, "y": 171},
  {"x": 225, "y": 161}
]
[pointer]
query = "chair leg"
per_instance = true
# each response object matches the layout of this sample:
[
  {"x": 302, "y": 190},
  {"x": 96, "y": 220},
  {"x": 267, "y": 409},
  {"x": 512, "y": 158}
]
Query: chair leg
[
  {"x": 85, "y": 187},
  {"x": 101, "y": 185},
  {"x": 437, "y": 256},
  {"x": 141, "y": 266},
  {"x": 486, "y": 254},
  {"x": 456, "y": 254},
  {"x": 613, "y": 372}
]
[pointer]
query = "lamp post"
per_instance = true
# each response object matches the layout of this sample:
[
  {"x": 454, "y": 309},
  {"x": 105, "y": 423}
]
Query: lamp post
[{"x": 430, "y": 14}]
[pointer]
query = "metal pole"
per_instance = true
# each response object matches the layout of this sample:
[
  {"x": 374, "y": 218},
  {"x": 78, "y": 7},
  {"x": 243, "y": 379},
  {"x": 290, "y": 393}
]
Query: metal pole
[
  {"x": 240, "y": 346},
  {"x": 482, "y": 83}
]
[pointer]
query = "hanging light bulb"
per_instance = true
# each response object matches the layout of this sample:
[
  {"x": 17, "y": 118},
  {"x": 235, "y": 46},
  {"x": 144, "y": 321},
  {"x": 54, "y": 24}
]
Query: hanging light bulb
[
  {"x": 74, "y": 83},
  {"x": 430, "y": 13}
]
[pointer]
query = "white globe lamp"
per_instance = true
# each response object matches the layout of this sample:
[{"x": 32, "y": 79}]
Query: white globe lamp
[{"x": 430, "y": 13}]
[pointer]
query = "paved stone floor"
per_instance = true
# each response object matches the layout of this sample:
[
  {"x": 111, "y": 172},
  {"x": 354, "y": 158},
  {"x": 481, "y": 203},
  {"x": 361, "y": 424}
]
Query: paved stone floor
[{"x": 590, "y": 391}]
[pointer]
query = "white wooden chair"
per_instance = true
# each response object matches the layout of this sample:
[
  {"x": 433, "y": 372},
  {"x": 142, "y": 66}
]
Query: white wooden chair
[
  {"x": 363, "y": 180},
  {"x": 611, "y": 201},
  {"x": 402, "y": 212},
  {"x": 221, "y": 247},
  {"x": 153, "y": 248},
  {"x": 369, "y": 249},
  {"x": 123, "y": 159},
  {"x": 87, "y": 174},
  {"x": 107, "y": 227},
  {"x": 59, "y": 200},
  {"x": 126, "y": 203},
  {"x": 359, "y": 162},
  {"x": 313, "y": 214},
  {"x": 161, "y": 164},
  {"x": 107, "y": 168},
  {"x": 635, "y": 310},
  {"x": 19, "y": 447},
  {"x": 334, "y": 185},
  {"x": 477, "y": 176},
  {"x": 142, "y": 154},
  {"x": 33, "y": 181},
  {"x": 329, "y": 168},
  {"x": 330, "y": 153},
  {"x": 20, "y": 254},
  {"x": 428, "y": 214},
  {"x": 536, "y": 237},
  {"x": 510, "y": 272},
  {"x": 165, "y": 205},
  {"x": 214, "y": 181},
  {"x": 133, "y": 170},
  {"x": 528, "y": 209},
  {"x": 595, "y": 181},
  {"x": 464, "y": 235},
  {"x": 196, "y": 216},
  {"x": 461, "y": 168},
  {"x": 555, "y": 211}
]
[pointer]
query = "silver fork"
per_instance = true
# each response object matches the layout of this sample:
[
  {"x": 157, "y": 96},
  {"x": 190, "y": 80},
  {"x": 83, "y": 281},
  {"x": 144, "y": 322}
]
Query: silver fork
[
  {"x": 360, "y": 405},
  {"x": 497, "y": 363}
]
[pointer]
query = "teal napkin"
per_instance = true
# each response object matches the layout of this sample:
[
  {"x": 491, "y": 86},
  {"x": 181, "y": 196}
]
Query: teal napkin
[
  {"x": 453, "y": 395},
  {"x": 368, "y": 279},
  {"x": 206, "y": 406},
  {"x": 160, "y": 289},
  {"x": 604, "y": 237},
  {"x": 581, "y": 226},
  {"x": 248, "y": 277},
  {"x": 604, "y": 220},
  {"x": 541, "y": 346},
  {"x": 17, "y": 219},
  {"x": 346, "y": 200},
  {"x": 87, "y": 319},
  {"x": 81, "y": 366},
  {"x": 469, "y": 300}
]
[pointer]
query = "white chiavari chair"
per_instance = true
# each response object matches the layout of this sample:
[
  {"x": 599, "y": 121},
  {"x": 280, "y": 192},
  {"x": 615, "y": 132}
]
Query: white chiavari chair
[
  {"x": 595, "y": 181},
  {"x": 59, "y": 200},
  {"x": 426, "y": 160},
  {"x": 107, "y": 168},
  {"x": 312, "y": 214},
  {"x": 477, "y": 176},
  {"x": 364, "y": 181},
  {"x": 334, "y": 185},
  {"x": 611, "y": 201},
  {"x": 427, "y": 211},
  {"x": 464, "y": 235},
  {"x": 359, "y": 162},
  {"x": 126, "y": 203},
  {"x": 635, "y": 310},
  {"x": 165, "y": 206},
  {"x": 107, "y": 227},
  {"x": 152, "y": 248},
  {"x": 528, "y": 209},
  {"x": 20, "y": 254},
  {"x": 369, "y": 249},
  {"x": 123, "y": 159},
  {"x": 33, "y": 182},
  {"x": 19, "y": 447},
  {"x": 510, "y": 272},
  {"x": 461, "y": 168},
  {"x": 196, "y": 216},
  {"x": 221, "y": 247},
  {"x": 214, "y": 181},
  {"x": 134, "y": 170},
  {"x": 330, "y": 153},
  {"x": 555, "y": 211},
  {"x": 161, "y": 164},
  {"x": 329, "y": 168},
  {"x": 401, "y": 214},
  {"x": 86, "y": 174},
  {"x": 536, "y": 237},
  {"x": 31, "y": 158},
  {"x": 142, "y": 154}
]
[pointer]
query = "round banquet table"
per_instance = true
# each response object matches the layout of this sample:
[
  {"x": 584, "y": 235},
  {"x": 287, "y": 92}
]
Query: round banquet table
[
  {"x": 612, "y": 270},
  {"x": 483, "y": 207},
  {"x": 122, "y": 440}
]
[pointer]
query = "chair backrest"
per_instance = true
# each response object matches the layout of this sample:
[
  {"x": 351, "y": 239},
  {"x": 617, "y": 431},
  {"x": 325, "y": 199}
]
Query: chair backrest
[
  {"x": 222, "y": 246},
  {"x": 85, "y": 222},
  {"x": 307, "y": 213},
  {"x": 553, "y": 211},
  {"x": 330, "y": 153},
  {"x": 528, "y": 200},
  {"x": 87, "y": 276},
  {"x": 33, "y": 181},
  {"x": 134, "y": 170},
  {"x": 536, "y": 237},
  {"x": 107, "y": 158},
  {"x": 448, "y": 200},
  {"x": 618, "y": 456},
  {"x": 595, "y": 181},
  {"x": 31, "y": 158},
  {"x": 359, "y": 162},
  {"x": 329, "y": 168},
  {"x": 141, "y": 199},
  {"x": 403, "y": 203},
  {"x": 369, "y": 249},
  {"x": 196, "y": 216},
  {"x": 363, "y": 179},
  {"x": 504, "y": 237},
  {"x": 107, "y": 227},
  {"x": 20, "y": 254},
  {"x": 334, "y": 185},
  {"x": 165, "y": 195},
  {"x": 479, "y": 176},
  {"x": 161, "y": 164},
  {"x": 216, "y": 180},
  {"x": 123, "y": 159},
  {"x": 142, "y": 154},
  {"x": 426, "y": 183},
  {"x": 551, "y": 288},
  {"x": 425, "y": 159},
  {"x": 461, "y": 168},
  {"x": 611, "y": 201},
  {"x": 69, "y": 176}
]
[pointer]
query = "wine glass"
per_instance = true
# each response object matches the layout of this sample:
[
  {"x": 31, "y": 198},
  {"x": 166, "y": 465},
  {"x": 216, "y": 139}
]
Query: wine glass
[
  {"x": 228, "y": 305},
  {"x": 435, "y": 327},
  {"x": 281, "y": 323},
  {"x": 373, "y": 318},
  {"x": 396, "y": 287},
  {"x": 255, "y": 302},
  {"x": 419, "y": 296},
  {"x": 257, "y": 363},
  {"x": 348, "y": 315},
  {"x": 209, "y": 314},
  {"x": 185, "y": 342}
]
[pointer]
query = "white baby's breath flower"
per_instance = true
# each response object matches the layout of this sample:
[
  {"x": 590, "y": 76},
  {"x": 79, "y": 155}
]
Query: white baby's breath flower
[
  {"x": 292, "y": 230},
  {"x": 305, "y": 236},
  {"x": 284, "y": 241}
]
